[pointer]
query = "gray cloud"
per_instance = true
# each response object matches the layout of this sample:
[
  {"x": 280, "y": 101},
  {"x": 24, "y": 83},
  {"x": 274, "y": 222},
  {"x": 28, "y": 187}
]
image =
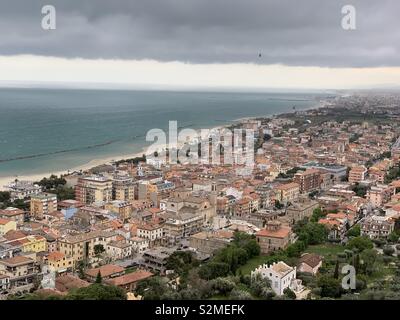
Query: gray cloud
[{"x": 306, "y": 33}]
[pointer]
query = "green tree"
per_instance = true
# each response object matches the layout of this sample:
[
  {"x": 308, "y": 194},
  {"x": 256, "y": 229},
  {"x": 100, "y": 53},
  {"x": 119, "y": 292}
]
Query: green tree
[
  {"x": 98, "y": 249},
  {"x": 213, "y": 269},
  {"x": 336, "y": 273},
  {"x": 289, "y": 294},
  {"x": 97, "y": 291},
  {"x": 355, "y": 231},
  {"x": 330, "y": 287},
  {"x": 360, "y": 243},
  {"x": 99, "y": 278}
]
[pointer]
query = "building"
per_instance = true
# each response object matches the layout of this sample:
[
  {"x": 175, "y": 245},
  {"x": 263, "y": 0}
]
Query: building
[
  {"x": 122, "y": 208},
  {"x": 150, "y": 231},
  {"x": 118, "y": 250},
  {"x": 209, "y": 242},
  {"x": 69, "y": 207},
  {"x": 182, "y": 225},
  {"x": 81, "y": 247},
  {"x": 14, "y": 214},
  {"x": 377, "y": 227},
  {"x": 300, "y": 209},
  {"x": 21, "y": 272},
  {"x": 95, "y": 188},
  {"x": 288, "y": 192},
  {"x": 123, "y": 187},
  {"x": 309, "y": 180},
  {"x": 357, "y": 174},
  {"x": 22, "y": 189},
  {"x": 41, "y": 204},
  {"x": 156, "y": 259},
  {"x": 274, "y": 237},
  {"x": 139, "y": 244},
  {"x": 281, "y": 275},
  {"x": 129, "y": 281},
  {"x": 380, "y": 194},
  {"x": 58, "y": 262},
  {"x": 7, "y": 225},
  {"x": 107, "y": 271},
  {"x": 309, "y": 263}
]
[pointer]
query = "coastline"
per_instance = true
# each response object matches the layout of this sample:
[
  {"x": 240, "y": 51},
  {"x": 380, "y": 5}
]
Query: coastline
[{"x": 97, "y": 162}]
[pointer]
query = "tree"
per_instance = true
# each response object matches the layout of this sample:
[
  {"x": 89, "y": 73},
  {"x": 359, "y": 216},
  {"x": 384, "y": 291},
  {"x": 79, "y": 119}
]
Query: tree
[
  {"x": 99, "y": 278},
  {"x": 213, "y": 269},
  {"x": 360, "y": 243},
  {"x": 152, "y": 288},
  {"x": 367, "y": 261},
  {"x": 393, "y": 237},
  {"x": 181, "y": 262},
  {"x": 98, "y": 249},
  {"x": 317, "y": 214},
  {"x": 330, "y": 287},
  {"x": 223, "y": 285},
  {"x": 289, "y": 294},
  {"x": 313, "y": 233},
  {"x": 388, "y": 250},
  {"x": 97, "y": 291},
  {"x": 336, "y": 273},
  {"x": 355, "y": 231}
]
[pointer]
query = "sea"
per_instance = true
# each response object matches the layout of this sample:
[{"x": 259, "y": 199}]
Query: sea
[{"x": 50, "y": 130}]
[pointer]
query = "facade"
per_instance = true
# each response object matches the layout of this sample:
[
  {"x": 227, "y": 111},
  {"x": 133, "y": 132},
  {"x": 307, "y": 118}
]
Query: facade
[
  {"x": 309, "y": 263},
  {"x": 380, "y": 194},
  {"x": 118, "y": 250},
  {"x": 357, "y": 174},
  {"x": 377, "y": 227},
  {"x": 14, "y": 214},
  {"x": 41, "y": 204},
  {"x": 281, "y": 275},
  {"x": 274, "y": 237},
  {"x": 182, "y": 225},
  {"x": 288, "y": 192},
  {"x": 309, "y": 180},
  {"x": 81, "y": 247},
  {"x": 23, "y": 189},
  {"x": 209, "y": 242},
  {"x": 300, "y": 209},
  {"x": 59, "y": 262},
  {"x": 123, "y": 187},
  {"x": 21, "y": 272},
  {"x": 122, "y": 208},
  {"x": 95, "y": 188},
  {"x": 7, "y": 225},
  {"x": 150, "y": 231}
]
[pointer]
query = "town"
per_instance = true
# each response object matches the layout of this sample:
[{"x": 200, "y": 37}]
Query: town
[{"x": 323, "y": 194}]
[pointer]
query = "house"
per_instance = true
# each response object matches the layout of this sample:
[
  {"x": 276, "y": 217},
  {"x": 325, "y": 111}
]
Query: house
[
  {"x": 274, "y": 237},
  {"x": 287, "y": 192},
  {"x": 14, "y": 214},
  {"x": 58, "y": 262},
  {"x": 309, "y": 263},
  {"x": 139, "y": 244},
  {"x": 21, "y": 272},
  {"x": 129, "y": 281},
  {"x": 107, "y": 271},
  {"x": 118, "y": 250},
  {"x": 377, "y": 227},
  {"x": 68, "y": 282},
  {"x": 357, "y": 174},
  {"x": 7, "y": 225},
  {"x": 208, "y": 242},
  {"x": 281, "y": 275},
  {"x": 308, "y": 180}
]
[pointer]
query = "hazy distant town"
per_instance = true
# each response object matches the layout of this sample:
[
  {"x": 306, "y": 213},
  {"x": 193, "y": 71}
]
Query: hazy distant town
[{"x": 316, "y": 217}]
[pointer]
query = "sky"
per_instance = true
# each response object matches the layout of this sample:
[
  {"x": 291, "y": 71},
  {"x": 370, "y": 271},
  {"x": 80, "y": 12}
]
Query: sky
[{"x": 202, "y": 43}]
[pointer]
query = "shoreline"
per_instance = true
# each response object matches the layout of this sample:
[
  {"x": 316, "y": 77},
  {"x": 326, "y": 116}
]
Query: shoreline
[{"x": 97, "y": 162}]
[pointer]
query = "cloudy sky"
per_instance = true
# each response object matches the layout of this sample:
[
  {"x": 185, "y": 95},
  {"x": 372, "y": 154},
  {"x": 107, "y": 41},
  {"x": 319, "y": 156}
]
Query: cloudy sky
[{"x": 202, "y": 43}]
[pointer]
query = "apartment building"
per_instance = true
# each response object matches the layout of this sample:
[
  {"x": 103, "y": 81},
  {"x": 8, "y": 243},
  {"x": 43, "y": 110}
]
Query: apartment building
[
  {"x": 21, "y": 272},
  {"x": 308, "y": 180},
  {"x": 183, "y": 224},
  {"x": 81, "y": 247},
  {"x": 59, "y": 262},
  {"x": 287, "y": 192},
  {"x": 357, "y": 174},
  {"x": 95, "y": 188},
  {"x": 41, "y": 204},
  {"x": 150, "y": 231},
  {"x": 7, "y": 225},
  {"x": 123, "y": 187},
  {"x": 380, "y": 194},
  {"x": 13, "y": 214},
  {"x": 122, "y": 208},
  {"x": 377, "y": 227}
]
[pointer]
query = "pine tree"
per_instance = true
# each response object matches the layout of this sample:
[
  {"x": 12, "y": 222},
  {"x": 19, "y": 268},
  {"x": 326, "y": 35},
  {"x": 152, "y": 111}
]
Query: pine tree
[
  {"x": 99, "y": 278},
  {"x": 336, "y": 274}
]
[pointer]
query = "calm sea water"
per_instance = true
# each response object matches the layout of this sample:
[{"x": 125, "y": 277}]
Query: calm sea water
[{"x": 43, "y": 130}]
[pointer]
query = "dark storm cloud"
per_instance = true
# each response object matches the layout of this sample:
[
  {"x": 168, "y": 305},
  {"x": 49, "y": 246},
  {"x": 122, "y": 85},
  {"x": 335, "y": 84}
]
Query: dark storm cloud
[{"x": 292, "y": 32}]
